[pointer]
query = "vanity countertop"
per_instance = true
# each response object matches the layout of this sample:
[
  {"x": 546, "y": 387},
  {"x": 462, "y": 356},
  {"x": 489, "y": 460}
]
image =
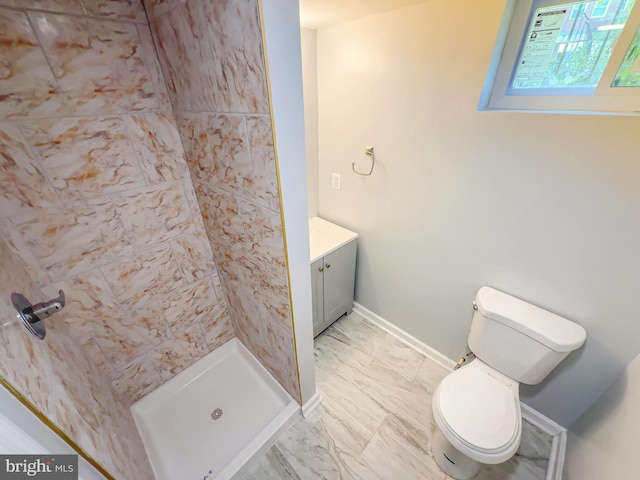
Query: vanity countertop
[{"x": 325, "y": 237}]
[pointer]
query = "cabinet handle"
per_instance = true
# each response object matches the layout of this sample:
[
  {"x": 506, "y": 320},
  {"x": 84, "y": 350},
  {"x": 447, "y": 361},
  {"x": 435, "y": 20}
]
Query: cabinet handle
[
  {"x": 328, "y": 265},
  {"x": 321, "y": 269}
]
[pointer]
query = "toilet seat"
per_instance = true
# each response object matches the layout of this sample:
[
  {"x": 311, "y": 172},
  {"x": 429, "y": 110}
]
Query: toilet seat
[{"x": 478, "y": 410}]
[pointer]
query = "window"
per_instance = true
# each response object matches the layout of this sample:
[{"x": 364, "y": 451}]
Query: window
[
  {"x": 600, "y": 8},
  {"x": 559, "y": 56}
]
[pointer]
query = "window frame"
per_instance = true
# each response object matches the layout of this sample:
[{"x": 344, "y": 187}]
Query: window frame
[{"x": 604, "y": 100}]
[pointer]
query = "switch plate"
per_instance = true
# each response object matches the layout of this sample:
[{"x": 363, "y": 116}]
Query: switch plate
[{"x": 335, "y": 181}]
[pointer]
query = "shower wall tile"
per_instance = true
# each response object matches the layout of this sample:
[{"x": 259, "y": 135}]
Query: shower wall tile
[
  {"x": 131, "y": 334},
  {"x": 156, "y": 8},
  {"x": 126, "y": 10},
  {"x": 232, "y": 152},
  {"x": 251, "y": 230},
  {"x": 193, "y": 304},
  {"x": 19, "y": 248},
  {"x": 152, "y": 62},
  {"x": 26, "y": 80},
  {"x": 264, "y": 163},
  {"x": 193, "y": 254},
  {"x": 126, "y": 82},
  {"x": 23, "y": 184},
  {"x": 217, "y": 327},
  {"x": 157, "y": 144},
  {"x": 89, "y": 301},
  {"x": 137, "y": 379},
  {"x": 65, "y": 384},
  {"x": 97, "y": 199},
  {"x": 85, "y": 157},
  {"x": 72, "y": 239},
  {"x": 212, "y": 57},
  {"x": 136, "y": 278},
  {"x": 186, "y": 348},
  {"x": 97, "y": 356},
  {"x": 155, "y": 214},
  {"x": 60, "y": 6}
]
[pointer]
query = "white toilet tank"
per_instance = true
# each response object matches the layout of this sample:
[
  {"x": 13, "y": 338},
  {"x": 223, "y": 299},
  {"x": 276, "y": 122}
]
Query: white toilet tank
[{"x": 518, "y": 339}]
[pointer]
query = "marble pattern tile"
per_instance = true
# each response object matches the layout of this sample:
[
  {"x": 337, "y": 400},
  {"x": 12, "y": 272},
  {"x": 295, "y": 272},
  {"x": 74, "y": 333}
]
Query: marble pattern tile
[
  {"x": 156, "y": 8},
  {"x": 265, "y": 181},
  {"x": 212, "y": 59},
  {"x": 252, "y": 230},
  {"x": 23, "y": 184},
  {"x": 19, "y": 248},
  {"x": 125, "y": 10},
  {"x": 88, "y": 91},
  {"x": 217, "y": 327},
  {"x": 356, "y": 435},
  {"x": 89, "y": 301},
  {"x": 65, "y": 384},
  {"x": 26, "y": 80},
  {"x": 98, "y": 61},
  {"x": 97, "y": 356},
  {"x": 212, "y": 56},
  {"x": 137, "y": 379},
  {"x": 155, "y": 139},
  {"x": 85, "y": 157},
  {"x": 135, "y": 278},
  {"x": 59, "y": 6},
  {"x": 129, "y": 335},
  {"x": 155, "y": 214},
  {"x": 74, "y": 239},
  {"x": 194, "y": 256},
  {"x": 152, "y": 62},
  {"x": 184, "y": 349},
  {"x": 190, "y": 305}
]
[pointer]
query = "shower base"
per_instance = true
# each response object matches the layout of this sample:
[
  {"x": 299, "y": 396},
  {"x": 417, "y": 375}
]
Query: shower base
[{"x": 208, "y": 421}]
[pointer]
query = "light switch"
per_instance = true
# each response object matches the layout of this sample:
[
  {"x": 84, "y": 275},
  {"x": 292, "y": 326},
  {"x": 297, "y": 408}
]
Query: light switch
[{"x": 335, "y": 181}]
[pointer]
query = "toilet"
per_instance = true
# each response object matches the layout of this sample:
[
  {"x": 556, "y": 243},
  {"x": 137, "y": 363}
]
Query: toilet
[{"x": 477, "y": 407}]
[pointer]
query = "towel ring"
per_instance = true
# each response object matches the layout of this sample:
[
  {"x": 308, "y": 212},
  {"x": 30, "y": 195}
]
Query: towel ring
[{"x": 368, "y": 151}]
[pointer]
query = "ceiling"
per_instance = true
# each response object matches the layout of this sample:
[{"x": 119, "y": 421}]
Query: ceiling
[{"x": 321, "y": 13}]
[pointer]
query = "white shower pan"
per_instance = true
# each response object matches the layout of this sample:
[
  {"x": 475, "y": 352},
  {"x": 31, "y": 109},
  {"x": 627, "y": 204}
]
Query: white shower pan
[{"x": 210, "y": 420}]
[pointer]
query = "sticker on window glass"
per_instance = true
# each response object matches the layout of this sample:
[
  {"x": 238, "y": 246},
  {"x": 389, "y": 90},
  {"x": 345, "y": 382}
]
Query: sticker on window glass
[
  {"x": 569, "y": 46},
  {"x": 539, "y": 47},
  {"x": 629, "y": 72}
]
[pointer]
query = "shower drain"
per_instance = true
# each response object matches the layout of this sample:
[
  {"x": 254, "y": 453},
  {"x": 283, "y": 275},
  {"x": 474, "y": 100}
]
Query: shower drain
[{"x": 216, "y": 414}]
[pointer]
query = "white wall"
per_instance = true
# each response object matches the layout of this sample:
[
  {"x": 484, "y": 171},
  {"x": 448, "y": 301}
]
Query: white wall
[
  {"x": 605, "y": 440},
  {"x": 308, "y": 39},
  {"x": 282, "y": 41},
  {"x": 544, "y": 207}
]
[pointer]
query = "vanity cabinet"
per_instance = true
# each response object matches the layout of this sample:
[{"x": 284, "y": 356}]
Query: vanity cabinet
[{"x": 333, "y": 269}]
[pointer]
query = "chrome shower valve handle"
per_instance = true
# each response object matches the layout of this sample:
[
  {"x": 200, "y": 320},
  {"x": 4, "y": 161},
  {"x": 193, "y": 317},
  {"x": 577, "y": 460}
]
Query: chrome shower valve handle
[{"x": 33, "y": 315}]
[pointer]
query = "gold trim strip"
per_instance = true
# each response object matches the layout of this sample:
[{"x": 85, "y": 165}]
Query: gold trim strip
[
  {"x": 284, "y": 230},
  {"x": 57, "y": 430}
]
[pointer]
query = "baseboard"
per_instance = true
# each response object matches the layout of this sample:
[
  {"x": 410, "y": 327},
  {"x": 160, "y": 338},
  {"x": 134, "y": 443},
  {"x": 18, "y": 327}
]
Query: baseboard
[
  {"x": 544, "y": 423},
  {"x": 310, "y": 405},
  {"x": 407, "y": 338},
  {"x": 559, "y": 442}
]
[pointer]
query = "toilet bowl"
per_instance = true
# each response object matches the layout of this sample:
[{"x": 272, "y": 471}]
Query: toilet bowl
[
  {"x": 477, "y": 407},
  {"x": 477, "y": 412}
]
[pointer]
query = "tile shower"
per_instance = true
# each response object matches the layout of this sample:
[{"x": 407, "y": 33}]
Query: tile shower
[{"x": 115, "y": 188}]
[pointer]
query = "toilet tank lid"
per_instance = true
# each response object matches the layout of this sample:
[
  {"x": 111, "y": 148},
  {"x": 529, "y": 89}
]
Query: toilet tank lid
[{"x": 557, "y": 333}]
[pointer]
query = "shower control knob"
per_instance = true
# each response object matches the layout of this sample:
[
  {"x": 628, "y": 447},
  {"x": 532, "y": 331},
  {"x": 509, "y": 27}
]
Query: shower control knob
[{"x": 33, "y": 315}]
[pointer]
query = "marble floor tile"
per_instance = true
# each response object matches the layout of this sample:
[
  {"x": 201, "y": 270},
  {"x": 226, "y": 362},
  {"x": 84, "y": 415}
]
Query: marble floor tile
[
  {"x": 375, "y": 421},
  {"x": 401, "y": 449}
]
